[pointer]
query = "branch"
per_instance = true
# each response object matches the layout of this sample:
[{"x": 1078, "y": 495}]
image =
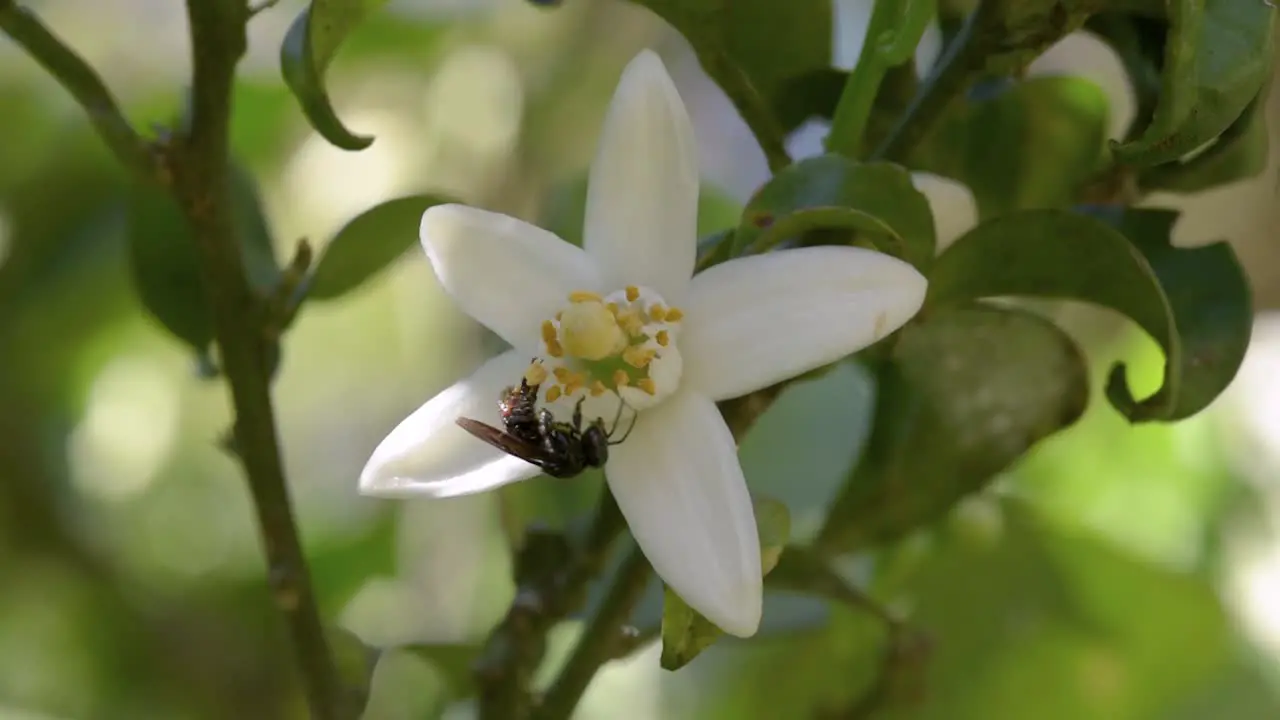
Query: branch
[
  {"x": 551, "y": 582},
  {"x": 603, "y": 639},
  {"x": 200, "y": 166},
  {"x": 74, "y": 74}
]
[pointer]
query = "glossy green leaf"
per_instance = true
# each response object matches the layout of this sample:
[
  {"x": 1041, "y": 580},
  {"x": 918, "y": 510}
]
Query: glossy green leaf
[
  {"x": 1218, "y": 56},
  {"x": 368, "y": 243},
  {"x": 165, "y": 261},
  {"x": 966, "y": 391},
  {"x": 1139, "y": 43},
  {"x": 308, "y": 48},
  {"x": 1194, "y": 302},
  {"x": 1033, "y": 145},
  {"x": 834, "y": 193},
  {"x": 1237, "y": 154},
  {"x": 685, "y": 632},
  {"x": 767, "y": 41}
]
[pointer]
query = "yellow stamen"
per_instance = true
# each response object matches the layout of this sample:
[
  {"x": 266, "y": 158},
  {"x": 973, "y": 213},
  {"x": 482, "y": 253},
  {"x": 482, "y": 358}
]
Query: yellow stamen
[
  {"x": 559, "y": 314},
  {"x": 633, "y": 293},
  {"x": 536, "y": 374},
  {"x": 597, "y": 389},
  {"x": 631, "y": 322},
  {"x": 562, "y": 374},
  {"x": 662, "y": 338},
  {"x": 548, "y": 332},
  {"x": 581, "y": 296},
  {"x": 638, "y": 357},
  {"x": 553, "y": 393},
  {"x": 657, "y": 313},
  {"x": 573, "y": 386},
  {"x": 621, "y": 378},
  {"x": 554, "y": 349},
  {"x": 612, "y": 308},
  {"x": 675, "y": 315},
  {"x": 646, "y": 384}
]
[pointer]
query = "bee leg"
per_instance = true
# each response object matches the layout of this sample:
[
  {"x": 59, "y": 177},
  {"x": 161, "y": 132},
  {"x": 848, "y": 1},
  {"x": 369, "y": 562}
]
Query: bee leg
[
  {"x": 627, "y": 434},
  {"x": 577, "y": 414}
]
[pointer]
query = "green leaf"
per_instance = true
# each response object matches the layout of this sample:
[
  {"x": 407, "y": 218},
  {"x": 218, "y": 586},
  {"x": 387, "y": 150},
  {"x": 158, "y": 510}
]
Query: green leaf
[
  {"x": 1033, "y": 145},
  {"x": 368, "y": 243},
  {"x": 1139, "y": 43},
  {"x": 341, "y": 566},
  {"x": 308, "y": 47},
  {"x": 967, "y": 390},
  {"x": 1194, "y": 302},
  {"x": 832, "y": 192},
  {"x": 354, "y": 662},
  {"x": 1239, "y": 153},
  {"x": 685, "y": 632},
  {"x": 454, "y": 661},
  {"x": 165, "y": 262},
  {"x": 1218, "y": 56},
  {"x": 767, "y": 41}
]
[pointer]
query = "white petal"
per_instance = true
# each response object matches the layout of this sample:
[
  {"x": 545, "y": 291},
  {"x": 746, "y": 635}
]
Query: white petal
[
  {"x": 678, "y": 483},
  {"x": 755, "y": 321},
  {"x": 429, "y": 455},
  {"x": 955, "y": 212},
  {"x": 505, "y": 273},
  {"x": 642, "y": 199}
]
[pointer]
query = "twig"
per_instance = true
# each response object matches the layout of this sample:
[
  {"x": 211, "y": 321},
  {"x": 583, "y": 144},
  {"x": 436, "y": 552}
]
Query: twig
[
  {"x": 552, "y": 578},
  {"x": 601, "y": 641},
  {"x": 201, "y": 171},
  {"x": 74, "y": 74}
]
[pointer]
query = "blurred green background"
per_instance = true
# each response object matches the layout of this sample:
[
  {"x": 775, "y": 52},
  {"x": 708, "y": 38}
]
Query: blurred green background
[{"x": 1118, "y": 572}]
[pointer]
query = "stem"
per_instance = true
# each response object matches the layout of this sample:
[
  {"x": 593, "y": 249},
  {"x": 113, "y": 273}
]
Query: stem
[
  {"x": 601, "y": 641},
  {"x": 949, "y": 78},
  {"x": 201, "y": 169},
  {"x": 550, "y": 588},
  {"x": 74, "y": 74},
  {"x": 893, "y": 33}
]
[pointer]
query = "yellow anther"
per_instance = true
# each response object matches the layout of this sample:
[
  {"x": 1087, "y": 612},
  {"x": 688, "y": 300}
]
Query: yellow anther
[
  {"x": 548, "y": 332},
  {"x": 554, "y": 349},
  {"x": 553, "y": 393},
  {"x": 536, "y": 374},
  {"x": 598, "y": 388},
  {"x": 621, "y": 378},
  {"x": 662, "y": 338},
  {"x": 573, "y": 386},
  {"x": 562, "y": 374},
  {"x": 631, "y": 322},
  {"x": 581, "y": 296},
  {"x": 646, "y": 384},
  {"x": 559, "y": 314},
  {"x": 675, "y": 314},
  {"x": 657, "y": 313},
  {"x": 638, "y": 357},
  {"x": 633, "y": 293},
  {"x": 612, "y": 308}
]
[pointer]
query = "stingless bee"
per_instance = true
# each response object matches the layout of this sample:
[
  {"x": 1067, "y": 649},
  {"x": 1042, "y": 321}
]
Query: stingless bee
[{"x": 561, "y": 449}]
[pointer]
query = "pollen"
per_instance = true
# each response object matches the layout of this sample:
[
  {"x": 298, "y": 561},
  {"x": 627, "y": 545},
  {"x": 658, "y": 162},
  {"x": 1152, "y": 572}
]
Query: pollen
[
  {"x": 536, "y": 374},
  {"x": 573, "y": 386},
  {"x": 553, "y": 393},
  {"x": 554, "y": 349},
  {"x": 647, "y": 385},
  {"x": 597, "y": 388},
  {"x": 675, "y": 314},
  {"x": 621, "y": 378},
  {"x": 662, "y": 338},
  {"x": 633, "y": 293},
  {"x": 562, "y": 374},
  {"x": 581, "y": 296},
  {"x": 657, "y": 313},
  {"x": 549, "y": 331}
]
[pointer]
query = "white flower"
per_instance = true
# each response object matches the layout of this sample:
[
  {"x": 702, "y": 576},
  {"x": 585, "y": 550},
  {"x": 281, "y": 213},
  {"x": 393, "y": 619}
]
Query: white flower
[{"x": 623, "y": 317}]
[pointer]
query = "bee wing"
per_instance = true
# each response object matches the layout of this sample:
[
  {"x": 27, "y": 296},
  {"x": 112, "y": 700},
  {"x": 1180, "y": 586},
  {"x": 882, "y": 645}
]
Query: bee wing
[{"x": 505, "y": 442}]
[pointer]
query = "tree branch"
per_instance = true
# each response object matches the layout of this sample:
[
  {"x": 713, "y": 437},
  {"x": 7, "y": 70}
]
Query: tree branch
[
  {"x": 200, "y": 164},
  {"x": 602, "y": 640},
  {"x": 74, "y": 74},
  {"x": 551, "y": 582}
]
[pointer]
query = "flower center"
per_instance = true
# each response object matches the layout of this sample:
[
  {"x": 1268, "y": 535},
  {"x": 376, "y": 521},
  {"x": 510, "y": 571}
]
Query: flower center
[{"x": 606, "y": 349}]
